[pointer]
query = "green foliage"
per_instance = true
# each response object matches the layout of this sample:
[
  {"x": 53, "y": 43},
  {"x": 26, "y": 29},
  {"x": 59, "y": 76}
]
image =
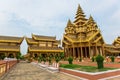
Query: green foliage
[
  {"x": 12, "y": 56},
  {"x": 44, "y": 59},
  {"x": 57, "y": 59},
  {"x": 50, "y": 59},
  {"x": 100, "y": 60},
  {"x": 29, "y": 60},
  {"x": 18, "y": 56},
  {"x": 35, "y": 58},
  {"x": 22, "y": 57},
  {"x": 70, "y": 60},
  {"x": 40, "y": 58},
  {"x": 80, "y": 59},
  {"x": 2, "y": 56},
  {"x": 84, "y": 68},
  {"x": 65, "y": 59},
  {"x": 112, "y": 58},
  {"x": 62, "y": 55},
  {"x": 93, "y": 59},
  {"x": 70, "y": 66}
]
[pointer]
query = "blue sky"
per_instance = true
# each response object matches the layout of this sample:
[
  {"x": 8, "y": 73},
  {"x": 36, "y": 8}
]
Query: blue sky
[{"x": 49, "y": 17}]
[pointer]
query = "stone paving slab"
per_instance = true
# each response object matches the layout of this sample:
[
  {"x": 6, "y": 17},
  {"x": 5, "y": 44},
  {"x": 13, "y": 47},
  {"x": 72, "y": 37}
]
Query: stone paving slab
[
  {"x": 27, "y": 71},
  {"x": 114, "y": 78}
]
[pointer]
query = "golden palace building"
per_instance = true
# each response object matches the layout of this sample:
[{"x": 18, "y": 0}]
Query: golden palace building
[
  {"x": 82, "y": 37},
  {"x": 113, "y": 49},
  {"x": 43, "y": 45},
  {"x": 10, "y": 46}
]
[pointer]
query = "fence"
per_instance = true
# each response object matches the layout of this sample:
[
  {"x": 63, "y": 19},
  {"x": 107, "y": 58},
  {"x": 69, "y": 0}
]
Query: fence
[{"x": 6, "y": 65}]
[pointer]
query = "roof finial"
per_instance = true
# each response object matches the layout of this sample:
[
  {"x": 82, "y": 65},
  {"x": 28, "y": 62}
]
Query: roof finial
[
  {"x": 79, "y": 10},
  {"x": 91, "y": 18},
  {"x": 69, "y": 22},
  {"x": 80, "y": 17}
]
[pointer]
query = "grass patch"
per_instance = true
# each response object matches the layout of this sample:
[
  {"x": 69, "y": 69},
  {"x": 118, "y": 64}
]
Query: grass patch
[{"x": 84, "y": 68}]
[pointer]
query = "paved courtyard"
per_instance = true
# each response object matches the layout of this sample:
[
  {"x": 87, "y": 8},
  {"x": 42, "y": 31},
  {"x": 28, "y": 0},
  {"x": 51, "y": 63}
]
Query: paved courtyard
[{"x": 28, "y": 71}]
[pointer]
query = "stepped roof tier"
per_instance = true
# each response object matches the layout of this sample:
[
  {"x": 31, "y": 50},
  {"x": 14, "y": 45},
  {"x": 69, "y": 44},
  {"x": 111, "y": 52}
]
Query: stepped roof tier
[
  {"x": 113, "y": 48},
  {"x": 4, "y": 48},
  {"x": 44, "y": 49},
  {"x": 43, "y": 38},
  {"x": 112, "y": 51},
  {"x": 11, "y": 39},
  {"x": 117, "y": 41},
  {"x": 34, "y": 41},
  {"x": 109, "y": 48},
  {"x": 10, "y": 46},
  {"x": 80, "y": 17},
  {"x": 31, "y": 41}
]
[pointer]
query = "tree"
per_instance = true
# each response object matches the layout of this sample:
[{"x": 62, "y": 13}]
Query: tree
[
  {"x": 70, "y": 60},
  {"x": 57, "y": 59},
  {"x": 2, "y": 56},
  {"x": 40, "y": 58},
  {"x": 112, "y": 58},
  {"x": 18, "y": 56},
  {"x": 80, "y": 59},
  {"x": 50, "y": 59},
  {"x": 44, "y": 59},
  {"x": 93, "y": 59},
  {"x": 62, "y": 55},
  {"x": 100, "y": 60},
  {"x": 22, "y": 57}
]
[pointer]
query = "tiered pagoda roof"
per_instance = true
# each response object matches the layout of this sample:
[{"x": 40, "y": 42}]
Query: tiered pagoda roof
[
  {"x": 31, "y": 41},
  {"x": 10, "y": 44},
  {"x": 10, "y": 39},
  {"x": 9, "y": 48},
  {"x": 39, "y": 38},
  {"x": 82, "y": 30},
  {"x": 109, "y": 48},
  {"x": 44, "y": 49},
  {"x": 80, "y": 17},
  {"x": 113, "y": 48},
  {"x": 43, "y": 38},
  {"x": 117, "y": 41}
]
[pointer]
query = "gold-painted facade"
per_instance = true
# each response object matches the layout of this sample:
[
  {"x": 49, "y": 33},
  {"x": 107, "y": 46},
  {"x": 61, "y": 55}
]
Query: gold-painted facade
[
  {"x": 117, "y": 41},
  {"x": 82, "y": 38},
  {"x": 44, "y": 45},
  {"x": 10, "y": 46},
  {"x": 114, "y": 48}
]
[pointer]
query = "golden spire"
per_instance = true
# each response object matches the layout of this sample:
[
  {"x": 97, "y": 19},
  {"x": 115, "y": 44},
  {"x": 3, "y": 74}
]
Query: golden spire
[
  {"x": 80, "y": 17},
  {"x": 70, "y": 27},
  {"x": 91, "y": 20},
  {"x": 91, "y": 24},
  {"x": 69, "y": 23}
]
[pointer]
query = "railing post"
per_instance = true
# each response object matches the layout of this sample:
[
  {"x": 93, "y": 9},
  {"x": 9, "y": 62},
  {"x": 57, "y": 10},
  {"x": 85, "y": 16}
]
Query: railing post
[{"x": 6, "y": 66}]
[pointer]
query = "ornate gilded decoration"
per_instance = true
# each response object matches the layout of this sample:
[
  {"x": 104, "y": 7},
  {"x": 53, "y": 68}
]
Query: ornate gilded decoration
[{"x": 82, "y": 38}]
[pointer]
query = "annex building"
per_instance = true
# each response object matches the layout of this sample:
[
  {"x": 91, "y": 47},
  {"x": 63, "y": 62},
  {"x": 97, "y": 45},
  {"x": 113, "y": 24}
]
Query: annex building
[
  {"x": 43, "y": 45},
  {"x": 10, "y": 46}
]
